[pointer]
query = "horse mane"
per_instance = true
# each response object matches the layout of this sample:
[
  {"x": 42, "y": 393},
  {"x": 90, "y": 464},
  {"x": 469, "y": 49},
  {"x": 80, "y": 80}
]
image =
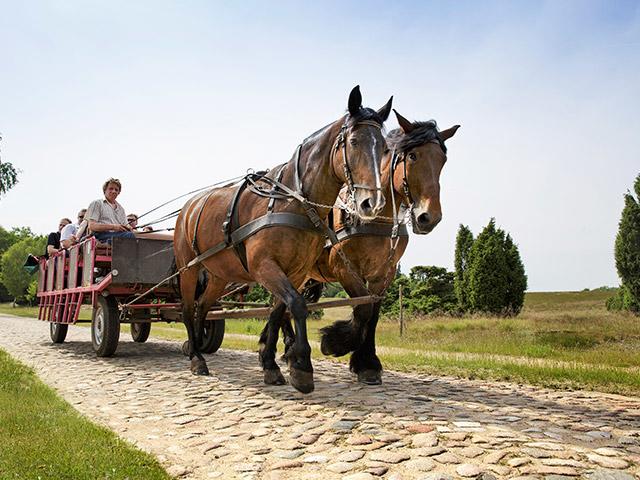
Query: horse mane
[
  {"x": 423, "y": 132},
  {"x": 365, "y": 113}
]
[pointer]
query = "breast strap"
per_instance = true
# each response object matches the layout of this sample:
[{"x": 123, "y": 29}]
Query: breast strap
[{"x": 371, "y": 229}]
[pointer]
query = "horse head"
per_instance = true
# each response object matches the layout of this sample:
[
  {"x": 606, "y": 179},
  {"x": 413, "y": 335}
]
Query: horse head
[
  {"x": 358, "y": 151},
  {"x": 420, "y": 154}
]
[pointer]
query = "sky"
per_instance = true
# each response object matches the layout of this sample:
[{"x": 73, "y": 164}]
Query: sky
[{"x": 172, "y": 96}]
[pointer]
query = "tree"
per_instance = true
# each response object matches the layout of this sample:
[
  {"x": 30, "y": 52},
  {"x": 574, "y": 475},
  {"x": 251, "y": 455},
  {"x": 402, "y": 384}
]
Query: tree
[
  {"x": 516, "y": 278},
  {"x": 8, "y": 176},
  {"x": 488, "y": 271},
  {"x": 496, "y": 278},
  {"x": 464, "y": 242},
  {"x": 12, "y": 274},
  {"x": 627, "y": 250},
  {"x": 8, "y": 238},
  {"x": 431, "y": 289}
]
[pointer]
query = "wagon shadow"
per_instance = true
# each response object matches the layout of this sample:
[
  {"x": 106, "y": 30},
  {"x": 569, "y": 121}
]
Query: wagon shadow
[{"x": 410, "y": 398}]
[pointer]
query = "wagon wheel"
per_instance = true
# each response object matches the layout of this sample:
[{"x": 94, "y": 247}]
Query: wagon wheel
[
  {"x": 140, "y": 331},
  {"x": 211, "y": 338},
  {"x": 105, "y": 327},
  {"x": 213, "y": 335},
  {"x": 58, "y": 332}
]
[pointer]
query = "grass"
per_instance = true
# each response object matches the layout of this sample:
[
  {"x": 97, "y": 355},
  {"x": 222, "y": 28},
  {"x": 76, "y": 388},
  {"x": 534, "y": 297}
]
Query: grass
[
  {"x": 42, "y": 436},
  {"x": 561, "y": 339}
]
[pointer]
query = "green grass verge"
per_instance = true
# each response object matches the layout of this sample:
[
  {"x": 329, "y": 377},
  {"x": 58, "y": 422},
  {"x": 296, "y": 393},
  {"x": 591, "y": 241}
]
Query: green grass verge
[{"x": 43, "y": 437}]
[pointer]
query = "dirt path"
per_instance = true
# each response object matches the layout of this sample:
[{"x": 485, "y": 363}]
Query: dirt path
[{"x": 230, "y": 425}]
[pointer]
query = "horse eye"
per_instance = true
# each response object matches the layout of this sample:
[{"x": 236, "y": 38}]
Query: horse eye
[
  {"x": 353, "y": 142},
  {"x": 412, "y": 156}
]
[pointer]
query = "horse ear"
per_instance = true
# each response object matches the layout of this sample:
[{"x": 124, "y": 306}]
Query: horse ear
[
  {"x": 449, "y": 132},
  {"x": 355, "y": 100},
  {"x": 386, "y": 110},
  {"x": 406, "y": 126}
]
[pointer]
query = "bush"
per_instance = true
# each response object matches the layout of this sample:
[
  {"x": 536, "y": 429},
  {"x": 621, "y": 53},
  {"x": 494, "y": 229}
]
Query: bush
[
  {"x": 427, "y": 289},
  {"x": 623, "y": 300}
]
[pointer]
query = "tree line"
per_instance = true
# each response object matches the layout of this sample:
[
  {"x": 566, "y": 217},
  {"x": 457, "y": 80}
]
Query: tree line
[{"x": 489, "y": 278}]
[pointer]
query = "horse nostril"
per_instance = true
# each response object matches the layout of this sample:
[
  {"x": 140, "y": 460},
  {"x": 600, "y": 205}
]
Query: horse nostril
[
  {"x": 365, "y": 206},
  {"x": 424, "y": 219}
]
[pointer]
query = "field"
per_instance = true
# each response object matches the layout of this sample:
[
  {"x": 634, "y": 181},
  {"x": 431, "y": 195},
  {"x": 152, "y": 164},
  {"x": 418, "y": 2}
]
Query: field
[{"x": 560, "y": 340}]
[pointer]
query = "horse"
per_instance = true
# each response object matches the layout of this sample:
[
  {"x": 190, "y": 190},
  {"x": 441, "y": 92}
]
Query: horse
[
  {"x": 278, "y": 249},
  {"x": 411, "y": 169}
]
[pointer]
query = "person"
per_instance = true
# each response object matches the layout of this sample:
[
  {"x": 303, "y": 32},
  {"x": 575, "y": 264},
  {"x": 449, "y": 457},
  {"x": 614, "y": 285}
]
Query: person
[
  {"x": 132, "y": 220},
  {"x": 106, "y": 217},
  {"x": 53, "y": 241},
  {"x": 73, "y": 232}
]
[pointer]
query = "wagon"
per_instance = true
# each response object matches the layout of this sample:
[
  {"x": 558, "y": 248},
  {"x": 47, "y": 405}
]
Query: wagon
[{"x": 124, "y": 283}]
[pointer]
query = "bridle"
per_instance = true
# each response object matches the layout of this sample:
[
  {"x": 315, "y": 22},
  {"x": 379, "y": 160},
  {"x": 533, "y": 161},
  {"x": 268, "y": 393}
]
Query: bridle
[
  {"x": 396, "y": 159},
  {"x": 341, "y": 142}
]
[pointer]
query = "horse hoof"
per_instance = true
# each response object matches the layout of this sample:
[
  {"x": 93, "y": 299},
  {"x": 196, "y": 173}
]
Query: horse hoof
[
  {"x": 301, "y": 380},
  {"x": 370, "y": 377},
  {"x": 199, "y": 367},
  {"x": 185, "y": 348},
  {"x": 274, "y": 377}
]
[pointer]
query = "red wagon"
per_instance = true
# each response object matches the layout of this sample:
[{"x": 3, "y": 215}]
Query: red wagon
[{"x": 108, "y": 278}]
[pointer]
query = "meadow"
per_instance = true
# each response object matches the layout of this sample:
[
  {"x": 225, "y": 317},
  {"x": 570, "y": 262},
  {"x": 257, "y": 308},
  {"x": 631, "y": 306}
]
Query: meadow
[{"x": 560, "y": 340}]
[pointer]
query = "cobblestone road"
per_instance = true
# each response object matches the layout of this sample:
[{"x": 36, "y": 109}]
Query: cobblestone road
[{"x": 230, "y": 425}]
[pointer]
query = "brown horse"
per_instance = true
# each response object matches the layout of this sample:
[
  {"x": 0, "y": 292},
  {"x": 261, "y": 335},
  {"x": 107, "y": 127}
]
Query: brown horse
[
  {"x": 279, "y": 256},
  {"x": 411, "y": 170}
]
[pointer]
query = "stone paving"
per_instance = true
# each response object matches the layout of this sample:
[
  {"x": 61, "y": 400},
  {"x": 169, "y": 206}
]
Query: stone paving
[{"x": 230, "y": 425}]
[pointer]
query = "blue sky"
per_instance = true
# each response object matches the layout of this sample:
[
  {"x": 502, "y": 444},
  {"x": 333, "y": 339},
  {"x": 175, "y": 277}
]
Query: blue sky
[{"x": 170, "y": 96}]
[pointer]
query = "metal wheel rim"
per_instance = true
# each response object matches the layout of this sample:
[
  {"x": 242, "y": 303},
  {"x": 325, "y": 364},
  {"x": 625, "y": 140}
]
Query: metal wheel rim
[
  {"x": 135, "y": 328},
  {"x": 98, "y": 325}
]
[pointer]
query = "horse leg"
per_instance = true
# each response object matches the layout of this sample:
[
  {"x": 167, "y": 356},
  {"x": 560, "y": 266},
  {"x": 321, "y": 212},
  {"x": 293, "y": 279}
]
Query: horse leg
[
  {"x": 364, "y": 362},
  {"x": 299, "y": 355},
  {"x": 268, "y": 347},
  {"x": 188, "y": 281},
  {"x": 345, "y": 336}
]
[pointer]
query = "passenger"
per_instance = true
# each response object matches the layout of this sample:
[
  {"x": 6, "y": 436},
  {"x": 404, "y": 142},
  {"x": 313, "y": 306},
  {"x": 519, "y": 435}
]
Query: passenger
[
  {"x": 73, "y": 232},
  {"x": 106, "y": 217},
  {"x": 132, "y": 220},
  {"x": 53, "y": 241},
  {"x": 147, "y": 229}
]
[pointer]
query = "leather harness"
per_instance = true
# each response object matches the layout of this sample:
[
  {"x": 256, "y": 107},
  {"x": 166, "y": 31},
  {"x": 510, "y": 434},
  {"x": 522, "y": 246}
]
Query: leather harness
[{"x": 235, "y": 234}]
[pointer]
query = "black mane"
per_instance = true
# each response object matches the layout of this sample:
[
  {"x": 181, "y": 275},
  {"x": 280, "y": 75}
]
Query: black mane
[
  {"x": 364, "y": 113},
  {"x": 422, "y": 133}
]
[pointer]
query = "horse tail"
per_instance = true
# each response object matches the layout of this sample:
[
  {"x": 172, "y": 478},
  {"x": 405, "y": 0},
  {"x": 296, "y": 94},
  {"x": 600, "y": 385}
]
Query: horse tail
[{"x": 340, "y": 338}]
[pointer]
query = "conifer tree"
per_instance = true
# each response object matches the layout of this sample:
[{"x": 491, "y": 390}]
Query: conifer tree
[
  {"x": 464, "y": 242},
  {"x": 627, "y": 248},
  {"x": 516, "y": 278},
  {"x": 488, "y": 271}
]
